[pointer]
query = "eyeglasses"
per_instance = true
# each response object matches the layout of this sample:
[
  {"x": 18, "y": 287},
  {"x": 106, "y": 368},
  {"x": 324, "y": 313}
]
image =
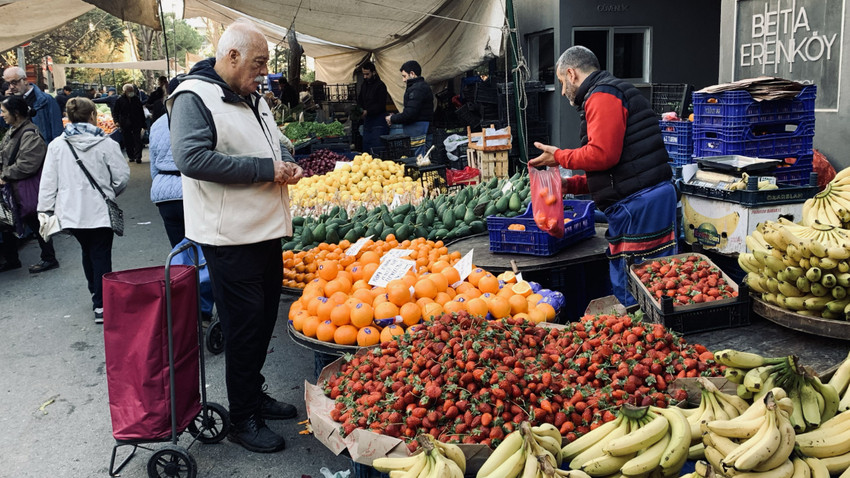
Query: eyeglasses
[{"x": 18, "y": 81}]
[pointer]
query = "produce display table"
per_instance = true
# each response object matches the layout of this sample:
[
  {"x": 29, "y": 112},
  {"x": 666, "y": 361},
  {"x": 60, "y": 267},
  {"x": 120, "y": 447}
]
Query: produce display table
[{"x": 580, "y": 271}]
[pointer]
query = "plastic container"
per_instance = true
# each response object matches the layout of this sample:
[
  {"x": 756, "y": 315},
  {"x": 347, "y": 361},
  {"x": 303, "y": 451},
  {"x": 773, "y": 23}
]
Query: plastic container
[
  {"x": 396, "y": 146},
  {"x": 678, "y": 138},
  {"x": 738, "y": 108},
  {"x": 786, "y": 194},
  {"x": 759, "y": 141},
  {"x": 667, "y": 97},
  {"x": 532, "y": 240},
  {"x": 695, "y": 318}
]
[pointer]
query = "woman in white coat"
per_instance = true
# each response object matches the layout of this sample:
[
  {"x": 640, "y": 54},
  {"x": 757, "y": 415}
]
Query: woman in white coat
[{"x": 66, "y": 191}]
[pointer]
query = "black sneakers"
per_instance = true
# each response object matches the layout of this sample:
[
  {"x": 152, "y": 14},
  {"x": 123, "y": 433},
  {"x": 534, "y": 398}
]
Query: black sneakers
[
  {"x": 8, "y": 266},
  {"x": 271, "y": 409},
  {"x": 253, "y": 434},
  {"x": 43, "y": 266},
  {"x": 98, "y": 315}
]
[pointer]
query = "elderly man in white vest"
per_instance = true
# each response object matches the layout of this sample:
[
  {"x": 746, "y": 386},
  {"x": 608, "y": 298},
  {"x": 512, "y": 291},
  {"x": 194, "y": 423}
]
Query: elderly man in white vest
[{"x": 236, "y": 204}]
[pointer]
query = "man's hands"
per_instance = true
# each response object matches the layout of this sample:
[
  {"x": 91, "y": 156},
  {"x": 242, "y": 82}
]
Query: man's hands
[
  {"x": 545, "y": 159},
  {"x": 389, "y": 122},
  {"x": 287, "y": 173}
]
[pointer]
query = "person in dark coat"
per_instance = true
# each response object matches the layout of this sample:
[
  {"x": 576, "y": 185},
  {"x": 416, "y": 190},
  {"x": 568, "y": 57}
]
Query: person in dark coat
[
  {"x": 373, "y": 100},
  {"x": 47, "y": 117},
  {"x": 108, "y": 100},
  {"x": 156, "y": 100},
  {"x": 627, "y": 167},
  {"x": 129, "y": 114},
  {"x": 418, "y": 107},
  {"x": 62, "y": 97},
  {"x": 288, "y": 95}
]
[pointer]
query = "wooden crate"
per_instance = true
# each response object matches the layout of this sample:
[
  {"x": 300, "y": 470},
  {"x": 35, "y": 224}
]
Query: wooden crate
[
  {"x": 488, "y": 139},
  {"x": 491, "y": 164}
]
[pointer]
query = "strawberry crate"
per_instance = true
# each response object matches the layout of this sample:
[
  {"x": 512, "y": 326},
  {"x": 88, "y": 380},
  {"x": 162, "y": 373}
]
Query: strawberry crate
[
  {"x": 693, "y": 318},
  {"x": 737, "y": 108},
  {"x": 532, "y": 240}
]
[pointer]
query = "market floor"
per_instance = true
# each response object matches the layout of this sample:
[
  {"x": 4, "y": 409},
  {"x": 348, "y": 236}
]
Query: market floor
[{"x": 55, "y": 414}]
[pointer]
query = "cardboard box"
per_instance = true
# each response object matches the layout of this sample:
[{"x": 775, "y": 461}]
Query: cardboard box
[{"x": 723, "y": 226}]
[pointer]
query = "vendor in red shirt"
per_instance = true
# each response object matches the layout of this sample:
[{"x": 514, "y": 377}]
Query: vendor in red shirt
[{"x": 625, "y": 163}]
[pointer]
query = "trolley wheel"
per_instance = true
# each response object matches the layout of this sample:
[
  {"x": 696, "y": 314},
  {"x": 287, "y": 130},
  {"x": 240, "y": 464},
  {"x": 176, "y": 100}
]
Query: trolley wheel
[
  {"x": 172, "y": 461},
  {"x": 213, "y": 427},
  {"x": 214, "y": 337}
]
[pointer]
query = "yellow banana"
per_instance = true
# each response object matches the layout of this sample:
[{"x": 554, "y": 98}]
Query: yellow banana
[
  {"x": 648, "y": 459},
  {"x": 454, "y": 453},
  {"x": 764, "y": 445},
  {"x": 638, "y": 439},
  {"x": 511, "y": 445},
  {"x": 387, "y": 464},
  {"x": 696, "y": 452},
  {"x": 510, "y": 467},
  {"x": 786, "y": 444},
  {"x": 531, "y": 469},
  {"x": 739, "y": 359},
  {"x": 714, "y": 458},
  {"x": 789, "y": 290},
  {"x": 606, "y": 464},
  {"x": 595, "y": 450},
  {"x": 801, "y": 468},
  {"x": 676, "y": 452},
  {"x": 737, "y": 427},
  {"x": 785, "y": 470},
  {"x": 735, "y": 401},
  {"x": 593, "y": 437},
  {"x": 841, "y": 377},
  {"x": 818, "y": 467},
  {"x": 836, "y": 464},
  {"x": 830, "y": 397}
]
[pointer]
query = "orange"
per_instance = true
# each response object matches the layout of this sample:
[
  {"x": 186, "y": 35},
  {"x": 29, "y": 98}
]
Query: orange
[
  {"x": 432, "y": 311},
  {"x": 518, "y": 304},
  {"x": 536, "y": 316},
  {"x": 425, "y": 288},
  {"x": 346, "y": 335},
  {"x": 370, "y": 257},
  {"x": 507, "y": 293},
  {"x": 328, "y": 270},
  {"x": 368, "y": 270},
  {"x": 463, "y": 287},
  {"x": 368, "y": 336},
  {"x": 472, "y": 293},
  {"x": 547, "y": 310},
  {"x": 521, "y": 288},
  {"x": 352, "y": 302},
  {"x": 341, "y": 315},
  {"x": 313, "y": 305},
  {"x": 507, "y": 277},
  {"x": 476, "y": 275},
  {"x": 423, "y": 302},
  {"x": 345, "y": 279},
  {"x": 357, "y": 272},
  {"x": 310, "y": 325},
  {"x": 324, "y": 310},
  {"x": 360, "y": 284},
  {"x": 410, "y": 313},
  {"x": 333, "y": 286},
  {"x": 487, "y": 283},
  {"x": 361, "y": 315},
  {"x": 454, "y": 307},
  {"x": 409, "y": 279},
  {"x": 295, "y": 307},
  {"x": 500, "y": 308},
  {"x": 477, "y": 307},
  {"x": 325, "y": 331},
  {"x": 299, "y": 319},
  {"x": 338, "y": 297},
  {"x": 440, "y": 281},
  {"x": 442, "y": 298},
  {"x": 390, "y": 332},
  {"x": 452, "y": 275},
  {"x": 380, "y": 298},
  {"x": 533, "y": 299},
  {"x": 521, "y": 316},
  {"x": 439, "y": 266},
  {"x": 386, "y": 310},
  {"x": 398, "y": 292},
  {"x": 363, "y": 295}
]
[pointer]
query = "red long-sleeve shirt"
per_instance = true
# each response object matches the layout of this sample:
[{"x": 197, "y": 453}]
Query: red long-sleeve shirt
[{"x": 606, "y": 116}]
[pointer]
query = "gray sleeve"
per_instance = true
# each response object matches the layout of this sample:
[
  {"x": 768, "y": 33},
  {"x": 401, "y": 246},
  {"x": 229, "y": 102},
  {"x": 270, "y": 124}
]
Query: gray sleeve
[{"x": 193, "y": 139}]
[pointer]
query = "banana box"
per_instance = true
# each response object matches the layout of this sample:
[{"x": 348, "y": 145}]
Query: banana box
[{"x": 723, "y": 226}]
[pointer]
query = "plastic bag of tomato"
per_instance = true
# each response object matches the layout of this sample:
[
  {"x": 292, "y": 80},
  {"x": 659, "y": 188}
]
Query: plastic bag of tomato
[{"x": 472, "y": 381}]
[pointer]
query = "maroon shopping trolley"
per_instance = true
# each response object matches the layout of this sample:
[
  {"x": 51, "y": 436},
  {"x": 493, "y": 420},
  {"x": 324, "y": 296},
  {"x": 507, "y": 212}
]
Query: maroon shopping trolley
[{"x": 155, "y": 371}]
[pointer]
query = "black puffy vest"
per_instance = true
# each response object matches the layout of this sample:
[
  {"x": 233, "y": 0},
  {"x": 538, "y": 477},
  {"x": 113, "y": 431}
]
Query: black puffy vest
[{"x": 643, "y": 161}]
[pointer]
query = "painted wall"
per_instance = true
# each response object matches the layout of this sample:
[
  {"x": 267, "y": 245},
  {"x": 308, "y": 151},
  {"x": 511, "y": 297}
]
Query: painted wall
[{"x": 801, "y": 40}]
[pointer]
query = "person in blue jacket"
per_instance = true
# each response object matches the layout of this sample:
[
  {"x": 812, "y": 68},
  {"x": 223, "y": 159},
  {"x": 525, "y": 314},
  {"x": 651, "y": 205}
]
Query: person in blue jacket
[
  {"x": 48, "y": 115},
  {"x": 167, "y": 186}
]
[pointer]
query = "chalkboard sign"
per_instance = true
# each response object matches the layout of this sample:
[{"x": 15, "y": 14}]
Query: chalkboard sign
[{"x": 793, "y": 39}]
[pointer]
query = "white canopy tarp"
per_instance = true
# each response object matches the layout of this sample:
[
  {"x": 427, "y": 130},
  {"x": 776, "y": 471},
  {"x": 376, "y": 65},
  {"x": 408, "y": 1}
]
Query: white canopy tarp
[
  {"x": 446, "y": 37},
  {"x": 59, "y": 68}
]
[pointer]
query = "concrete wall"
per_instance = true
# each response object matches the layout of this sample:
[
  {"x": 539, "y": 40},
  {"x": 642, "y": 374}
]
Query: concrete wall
[{"x": 745, "y": 23}]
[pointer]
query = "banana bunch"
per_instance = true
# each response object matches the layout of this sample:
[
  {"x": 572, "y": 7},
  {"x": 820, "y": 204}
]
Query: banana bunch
[
  {"x": 741, "y": 184},
  {"x": 840, "y": 381},
  {"x": 437, "y": 460},
  {"x": 800, "y": 268},
  {"x": 832, "y": 205},
  {"x": 714, "y": 405},
  {"x": 530, "y": 452},
  {"x": 813, "y": 401},
  {"x": 702, "y": 469},
  {"x": 640, "y": 441},
  {"x": 757, "y": 443},
  {"x": 829, "y": 444}
]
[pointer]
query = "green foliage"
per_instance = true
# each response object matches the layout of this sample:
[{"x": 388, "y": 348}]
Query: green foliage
[
  {"x": 181, "y": 37},
  {"x": 73, "y": 41},
  {"x": 296, "y": 131}
]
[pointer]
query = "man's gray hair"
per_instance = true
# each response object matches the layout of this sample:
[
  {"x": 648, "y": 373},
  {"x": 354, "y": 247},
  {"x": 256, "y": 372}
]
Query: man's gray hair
[
  {"x": 15, "y": 70},
  {"x": 578, "y": 58},
  {"x": 127, "y": 87},
  {"x": 238, "y": 36}
]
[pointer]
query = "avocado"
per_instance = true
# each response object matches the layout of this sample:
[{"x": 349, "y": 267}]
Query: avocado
[
  {"x": 402, "y": 233},
  {"x": 477, "y": 226},
  {"x": 351, "y": 236},
  {"x": 420, "y": 231},
  {"x": 449, "y": 219},
  {"x": 462, "y": 231},
  {"x": 502, "y": 204},
  {"x": 442, "y": 233},
  {"x": 288, "y": 246},
  {"x": 332, "y": 237},
  {"x": 387, "y": 219},
  {"x": 432, "y": 235},
  {"x": 297, "y": 221},
  {"x": 334, "y": 211},
  {"x": 319, "y": 233},
  {"x": 492, "y": 183},
  {"x": 514, "y": 203},
  {"x": 306, "y": 236},
  {"x": 469, "y": 216},
  {"x": 429, "y": 215},
  {"x": 491, "y": 210}
]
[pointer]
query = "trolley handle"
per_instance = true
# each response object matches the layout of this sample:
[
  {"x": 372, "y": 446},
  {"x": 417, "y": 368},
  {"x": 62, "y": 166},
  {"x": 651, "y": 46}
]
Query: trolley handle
[{"x": 195, "y": 257}]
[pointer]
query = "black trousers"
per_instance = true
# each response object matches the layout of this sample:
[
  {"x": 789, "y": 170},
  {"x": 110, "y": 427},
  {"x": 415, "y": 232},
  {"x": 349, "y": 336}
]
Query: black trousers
[
  {"x": 97, "y": 259},
  {"x": 246, "y": 285},
  {"x": 10, "y": 242},
  {"x": 172, "y": 219},
  {"x": 132, "y": 142}
]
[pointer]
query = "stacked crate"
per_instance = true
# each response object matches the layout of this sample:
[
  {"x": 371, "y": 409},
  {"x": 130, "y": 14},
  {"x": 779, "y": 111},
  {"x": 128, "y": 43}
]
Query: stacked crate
[
  {"x": 732, "y": 122},
  {"x": 678, "y": 139}
]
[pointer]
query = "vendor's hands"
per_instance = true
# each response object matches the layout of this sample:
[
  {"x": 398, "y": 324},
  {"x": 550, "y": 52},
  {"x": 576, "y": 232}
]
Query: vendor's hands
[
  {"x": 295, "y": 173},
  {"x": 545, "y": 159},
  {"x": 389, "y": 122}
]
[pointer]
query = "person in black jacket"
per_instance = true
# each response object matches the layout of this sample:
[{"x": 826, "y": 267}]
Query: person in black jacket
[
  {"x": 373, "y": 100},
  {"x": 288, "y": 95},
  {"x": 627, "y": 167},
  {"x": 130, "y": 116},
  {"x": 62, "y": 97},
  {"x": 156, "y": 100},
  {"x": 418, "y": 107}
]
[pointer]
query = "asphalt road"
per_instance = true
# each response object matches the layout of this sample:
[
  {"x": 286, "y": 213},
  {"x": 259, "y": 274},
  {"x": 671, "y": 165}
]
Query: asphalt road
[{"x": 55, "y": 418}]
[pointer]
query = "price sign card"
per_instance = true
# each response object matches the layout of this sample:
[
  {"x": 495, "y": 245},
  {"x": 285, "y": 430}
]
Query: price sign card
[
  {"x": 390, "y": 269},
  {"x": 464, "y": 267},
  {"x": 396, "y": 254},
  {"x": 342, "y": 165},
  {"x": 396, "y": 202},
  {"x": 355, "y": 248}
]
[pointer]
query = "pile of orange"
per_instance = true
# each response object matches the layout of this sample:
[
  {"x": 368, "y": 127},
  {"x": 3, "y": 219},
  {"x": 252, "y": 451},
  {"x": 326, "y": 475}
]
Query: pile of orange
[{"x": 338, "y": 305}]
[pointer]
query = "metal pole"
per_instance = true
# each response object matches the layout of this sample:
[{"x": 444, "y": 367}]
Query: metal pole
[
  {"x": 514, "y": 47},
  {"x": 165, "y": 40},
  {"x": 21, "y": 60}
]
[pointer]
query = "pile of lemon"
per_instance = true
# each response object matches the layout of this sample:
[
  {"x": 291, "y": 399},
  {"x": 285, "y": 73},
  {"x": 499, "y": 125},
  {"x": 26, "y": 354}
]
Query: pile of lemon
[{"x": 364, "y": 180}]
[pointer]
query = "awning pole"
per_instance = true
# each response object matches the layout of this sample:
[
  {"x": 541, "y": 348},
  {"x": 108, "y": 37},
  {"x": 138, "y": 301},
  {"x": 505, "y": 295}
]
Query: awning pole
[
  {"x": 514, "y": 48},
  {"x": 165, "y": 40}
]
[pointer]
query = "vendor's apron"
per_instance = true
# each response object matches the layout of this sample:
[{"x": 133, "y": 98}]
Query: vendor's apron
[{"x": 640, "y": 227}]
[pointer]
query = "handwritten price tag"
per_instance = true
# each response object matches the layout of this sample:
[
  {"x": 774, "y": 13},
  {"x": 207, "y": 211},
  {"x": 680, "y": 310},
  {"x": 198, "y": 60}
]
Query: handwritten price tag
[
  {"x": 464, "y": 267},
  {"x": 355, "y": 248},
  {"x": 396, "y": 254},
  {"x": 342, "y": 165},
  {"x": 390, "y": 269}
]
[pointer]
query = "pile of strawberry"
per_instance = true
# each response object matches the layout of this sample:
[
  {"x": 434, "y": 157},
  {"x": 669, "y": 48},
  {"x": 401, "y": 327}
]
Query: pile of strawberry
[
  {"x": 692, "y": 281},
  {"x": 469, "y": 380}
]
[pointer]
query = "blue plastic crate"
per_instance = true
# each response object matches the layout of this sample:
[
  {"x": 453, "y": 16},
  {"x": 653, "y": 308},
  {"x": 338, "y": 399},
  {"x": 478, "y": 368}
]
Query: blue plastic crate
[
  {"x": 755, "y": 141},
  {"x": 796, "y": 174},
  {"x": 678, "y": 160},
  {"x": 678, "y": 139},
  {"x": 532, "y": 240},
  {"x": 738, "y": 108}
]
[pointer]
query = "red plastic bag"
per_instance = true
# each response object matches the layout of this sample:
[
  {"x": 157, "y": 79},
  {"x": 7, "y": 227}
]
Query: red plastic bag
[
  {"x": 825, "y": 170},
  {"x": 454, "y": 176},
  {"x": 546, "y": 200}
]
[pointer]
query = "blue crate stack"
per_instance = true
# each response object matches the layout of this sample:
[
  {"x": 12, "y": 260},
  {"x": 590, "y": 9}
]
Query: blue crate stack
[
  {"x": 678, "y": 139},
  {"x": 732, "y": 122}
]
